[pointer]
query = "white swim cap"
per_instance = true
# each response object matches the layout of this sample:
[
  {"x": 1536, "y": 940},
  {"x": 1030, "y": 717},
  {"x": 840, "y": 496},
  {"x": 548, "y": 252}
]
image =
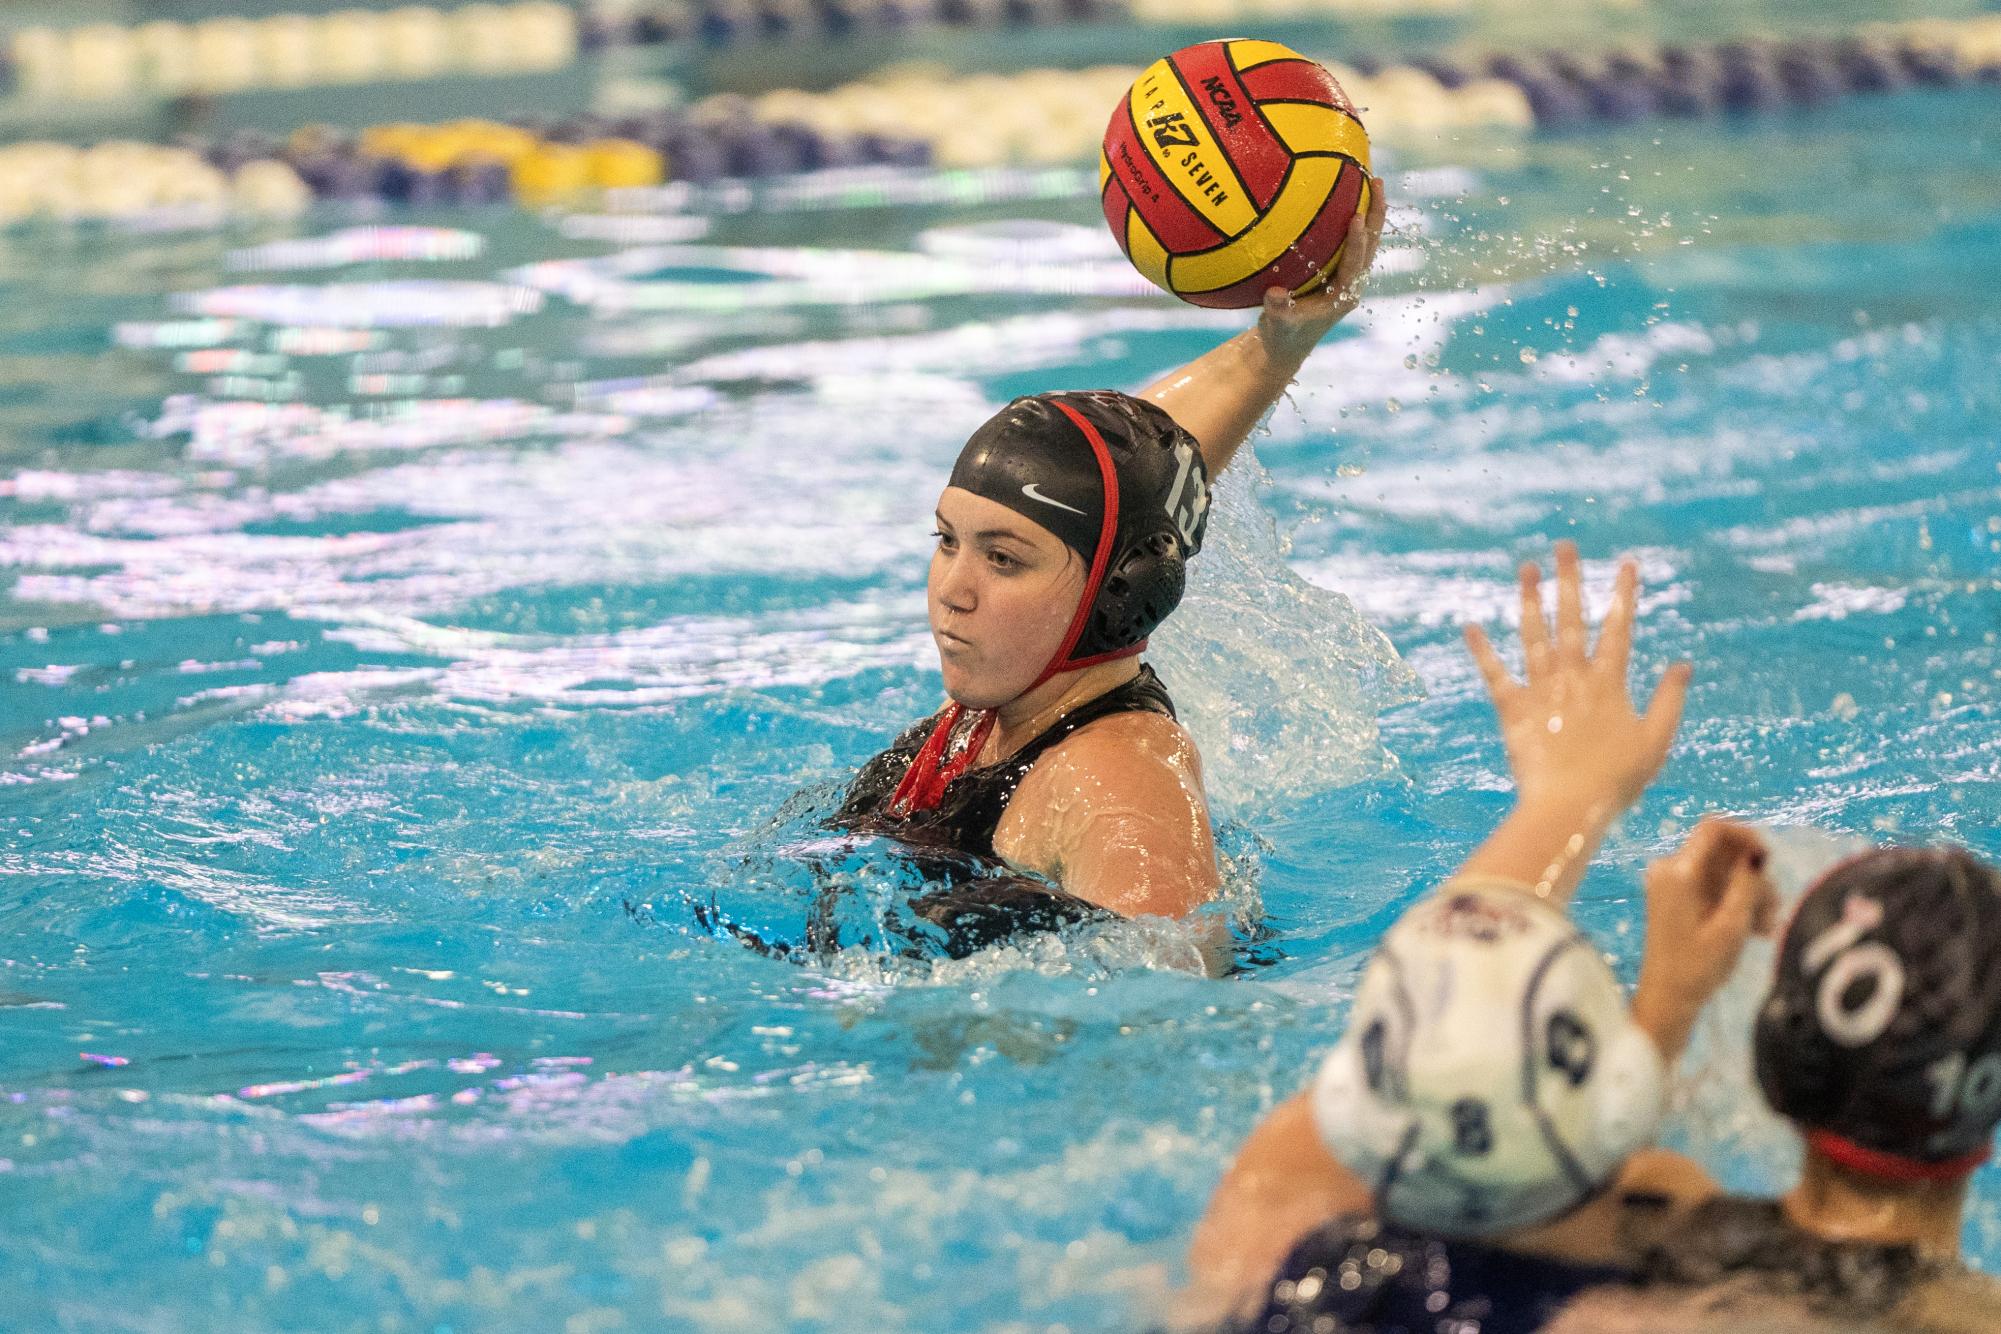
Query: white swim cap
[{"x": 1490, "y": 1076}]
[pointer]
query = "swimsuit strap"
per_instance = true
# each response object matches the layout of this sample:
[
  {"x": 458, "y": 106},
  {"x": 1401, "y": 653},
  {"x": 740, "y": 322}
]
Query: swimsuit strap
[{"x": 1142, "y": 694}]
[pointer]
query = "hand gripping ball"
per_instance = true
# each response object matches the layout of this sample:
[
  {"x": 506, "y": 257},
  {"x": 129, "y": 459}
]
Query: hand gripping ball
[{"x": 1232, "y": 167}]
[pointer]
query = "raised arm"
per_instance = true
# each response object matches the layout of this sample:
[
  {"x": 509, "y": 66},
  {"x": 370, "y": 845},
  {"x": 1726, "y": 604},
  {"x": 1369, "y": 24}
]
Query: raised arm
[
  {"x": 1579, "y": 752},
  {"x": 1581, "y": 755},
  {"x": 1221, "y": 395}
]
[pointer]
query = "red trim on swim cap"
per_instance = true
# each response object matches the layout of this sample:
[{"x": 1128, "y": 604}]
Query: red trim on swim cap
[
  {"x": 1108, "y": 527},
  {"x": 1869, "y": 1162}
]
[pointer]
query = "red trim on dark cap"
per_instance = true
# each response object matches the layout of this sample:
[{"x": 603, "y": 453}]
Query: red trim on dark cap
[
  {"x": 1108, "y": 527},
  {"x": 1869, "y": 1162}
]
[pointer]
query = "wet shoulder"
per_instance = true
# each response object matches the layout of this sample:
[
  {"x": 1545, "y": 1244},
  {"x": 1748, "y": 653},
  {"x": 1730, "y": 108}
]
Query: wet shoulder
[
  {"x": 1956, "y": 1303},
  {"x": 1959, "y": 1302},
  {"x": 1731, "y": 1237},
  {"x": 1741, "y": 1305},
  {"x": 1733, "y": 1265},
  {"x": 1139, "y": 732},
  {"x": 1766, "y": 1300},
  {"x": 1137, "y": 760}
]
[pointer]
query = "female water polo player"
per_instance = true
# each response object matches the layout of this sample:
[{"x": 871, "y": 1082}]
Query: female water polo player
[
  {"x": 1471, "y": 1147},
  {"x": 1063, "y": 533},
  {"x": 1880, "y": 1041}
]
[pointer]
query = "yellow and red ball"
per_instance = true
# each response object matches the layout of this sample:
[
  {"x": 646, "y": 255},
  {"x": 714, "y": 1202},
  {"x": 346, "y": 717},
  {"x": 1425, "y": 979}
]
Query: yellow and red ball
[{"x": 1233, "y": 167}]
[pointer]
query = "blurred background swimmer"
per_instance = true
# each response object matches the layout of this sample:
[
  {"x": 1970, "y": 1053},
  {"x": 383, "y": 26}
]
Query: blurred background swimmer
[
  {"x": 1473, "y": 1147},
  {"x": 1880, "y": 1040},
  {"x": 1063, "y": 535}
]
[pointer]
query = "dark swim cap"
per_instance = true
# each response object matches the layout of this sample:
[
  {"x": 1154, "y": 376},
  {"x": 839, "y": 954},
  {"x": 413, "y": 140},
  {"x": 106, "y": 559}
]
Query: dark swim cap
[
  {"x": 1121, "y": 484},
  {"x": 1881, "y": 1035}
]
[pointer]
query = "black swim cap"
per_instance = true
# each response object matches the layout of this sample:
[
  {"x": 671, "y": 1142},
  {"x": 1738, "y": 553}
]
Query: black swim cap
[
  {"x": 1121, "y": 484},
  {"x": 1881, "y": 1035}
]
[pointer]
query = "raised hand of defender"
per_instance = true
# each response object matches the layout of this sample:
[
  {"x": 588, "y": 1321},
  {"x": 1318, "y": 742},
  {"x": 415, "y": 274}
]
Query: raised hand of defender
[
  {"x": 1570, "y": 727},
  {"x": 1703, "y": 903},
  {"x": 1292, "y": 326}
]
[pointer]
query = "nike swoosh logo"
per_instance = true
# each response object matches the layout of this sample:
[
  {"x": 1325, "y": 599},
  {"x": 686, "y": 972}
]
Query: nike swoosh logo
[{"x": 1033, "y": 494}]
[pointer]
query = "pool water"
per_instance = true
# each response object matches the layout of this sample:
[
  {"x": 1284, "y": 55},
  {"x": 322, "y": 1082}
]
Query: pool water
[{"x": 394, "y": 651}]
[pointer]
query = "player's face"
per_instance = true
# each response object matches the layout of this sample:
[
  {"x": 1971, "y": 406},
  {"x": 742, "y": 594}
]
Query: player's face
[{"x": 1001, "y": 595}]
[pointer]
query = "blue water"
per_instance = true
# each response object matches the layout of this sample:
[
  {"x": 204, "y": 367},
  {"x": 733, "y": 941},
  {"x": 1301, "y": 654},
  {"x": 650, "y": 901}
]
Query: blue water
[{"x": 384, "y": 670}]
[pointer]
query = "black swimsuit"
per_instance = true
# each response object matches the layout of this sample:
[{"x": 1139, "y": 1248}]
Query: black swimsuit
[
  {"x": 1359, "y": 1276},
  {"x": 1356, "y": 1275},
  {"x": 978, "y": 907}
]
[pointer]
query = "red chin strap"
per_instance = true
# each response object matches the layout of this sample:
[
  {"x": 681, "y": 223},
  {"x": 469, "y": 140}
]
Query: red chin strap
[
  {"x": 939, "y": 761},
  {"x": 1862, "y": 1161},
  {"x": 943, "y": 759},
  {"x": 1108, "y": 527}
]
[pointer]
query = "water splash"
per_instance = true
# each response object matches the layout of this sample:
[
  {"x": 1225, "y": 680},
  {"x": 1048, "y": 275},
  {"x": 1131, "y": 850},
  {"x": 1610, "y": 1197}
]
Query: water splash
[{"x": 1279, "y": 681}]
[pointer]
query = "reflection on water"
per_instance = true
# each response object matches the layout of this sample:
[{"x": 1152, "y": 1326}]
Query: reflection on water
[{"x": 401, "y": 628}]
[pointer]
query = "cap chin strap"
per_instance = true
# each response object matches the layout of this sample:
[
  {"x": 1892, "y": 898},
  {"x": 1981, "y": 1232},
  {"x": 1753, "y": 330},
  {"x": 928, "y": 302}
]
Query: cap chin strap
[
  {"x": 1078, "y": 664},
  {"x": 941, "y": 760},
  {"x": 1101, "y": 558},
  {"x": 1868, "y": 1162}
]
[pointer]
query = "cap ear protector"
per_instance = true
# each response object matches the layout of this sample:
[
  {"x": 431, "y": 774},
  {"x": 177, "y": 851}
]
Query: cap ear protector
[
  {"x": 1361, "y": 1098},
  {"x": 1585, "y": 1049},
  {"x": 1468, "y": 1127},
  {"x": 1881, "y": 1034},
  {"x": 1143, "y": 586}
]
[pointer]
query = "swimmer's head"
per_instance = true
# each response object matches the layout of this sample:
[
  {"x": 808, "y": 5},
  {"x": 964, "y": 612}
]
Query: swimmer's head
[
  {"x": 1490, "y": 1077},
  {"x": 1881, "y": 1036},
  {"x": 1103, "y": 477}
]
